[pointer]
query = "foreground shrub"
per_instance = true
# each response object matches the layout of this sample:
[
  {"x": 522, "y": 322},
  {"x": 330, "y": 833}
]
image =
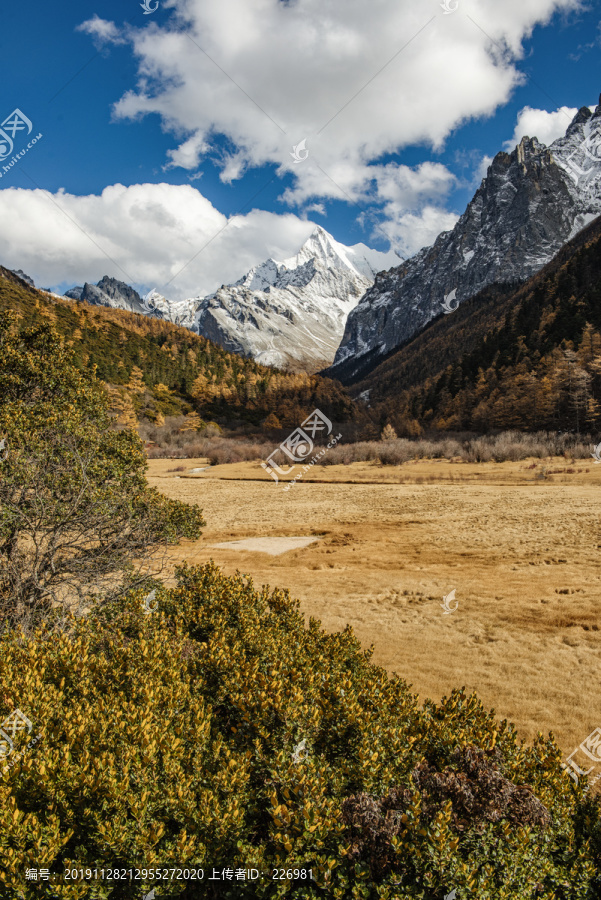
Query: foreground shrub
[
  {"x": 218, "y": 731},
  {"x": 75, "y": 507}
]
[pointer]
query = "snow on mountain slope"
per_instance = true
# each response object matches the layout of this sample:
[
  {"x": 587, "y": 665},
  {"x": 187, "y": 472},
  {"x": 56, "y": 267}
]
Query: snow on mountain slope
[
  {"x": 292, "y": 312},
  {"x": 180, "y": 312},
  {"x": 530, "y": 204},
  {"x": 281, "y": 313},
  {"x": 110, "y": 292}
]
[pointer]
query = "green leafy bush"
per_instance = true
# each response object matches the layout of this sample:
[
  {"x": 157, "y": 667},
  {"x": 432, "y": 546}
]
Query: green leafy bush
[
  {"x": 77, "y": 516},
  {"x": 175, "y": 738}
]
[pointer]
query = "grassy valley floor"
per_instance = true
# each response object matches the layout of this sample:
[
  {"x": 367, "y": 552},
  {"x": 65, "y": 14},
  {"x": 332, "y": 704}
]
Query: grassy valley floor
[{"x": 522, "y": 552}]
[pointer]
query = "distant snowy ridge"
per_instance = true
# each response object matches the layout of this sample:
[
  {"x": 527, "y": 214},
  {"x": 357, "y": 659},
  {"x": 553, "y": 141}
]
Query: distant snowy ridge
[
  {"x": 180, "y": 312},
  {"x": 289, "y": 313}
]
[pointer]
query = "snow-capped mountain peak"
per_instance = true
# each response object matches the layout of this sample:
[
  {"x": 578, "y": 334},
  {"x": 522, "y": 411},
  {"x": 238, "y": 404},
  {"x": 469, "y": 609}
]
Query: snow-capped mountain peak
[
  {"x": 320, "y": 245},
  {"x": 579, "y": 152},
  {"x": 291, "y": 312},
  {"x": 180, "y": 312},
  {"x": 531, "y": 202}
]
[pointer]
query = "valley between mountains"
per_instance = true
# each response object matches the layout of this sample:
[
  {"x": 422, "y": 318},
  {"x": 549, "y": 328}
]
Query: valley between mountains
[
  {"x": 300, "y": 451},
  {"x": 346, "y": 309}
]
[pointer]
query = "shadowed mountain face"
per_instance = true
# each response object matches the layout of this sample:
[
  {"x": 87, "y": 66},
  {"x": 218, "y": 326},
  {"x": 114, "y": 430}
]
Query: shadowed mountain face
[
  {"x": 109, "y": 292},
  {"x": 530, "y": 204},
  {"x": 21, "y": 274},
  {"x": 119, "y": 295},
  {"x": 525, "y": 358}
]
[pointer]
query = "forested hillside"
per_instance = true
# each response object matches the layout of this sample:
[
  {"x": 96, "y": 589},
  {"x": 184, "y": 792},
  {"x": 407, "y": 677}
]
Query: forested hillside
[
  {"x": 528, "y": 358},
  {"x": 155, "y": 369}
]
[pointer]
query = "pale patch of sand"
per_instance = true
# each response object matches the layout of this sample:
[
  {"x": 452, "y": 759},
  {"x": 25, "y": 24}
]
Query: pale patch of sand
[{"x": 275, "y": 546}]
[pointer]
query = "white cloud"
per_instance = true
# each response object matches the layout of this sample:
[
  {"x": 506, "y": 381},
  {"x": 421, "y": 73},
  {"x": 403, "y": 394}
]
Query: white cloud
[
  {"x": 538, "y": 123},
  {"x": 188, "y": 154},
  {"x": 482, "y": 170},
  {"x": 411, "y": 204},
  {"x": 102, "y": 31},
  {"x": 172, "y": 238},
  {"x": 317, "y": 208},
  {"x": 355, "y": 80},
  {"x": 411, "y": 231},
  {"x": 234, "y": 167},
  {"x": 143, "y": 234}
]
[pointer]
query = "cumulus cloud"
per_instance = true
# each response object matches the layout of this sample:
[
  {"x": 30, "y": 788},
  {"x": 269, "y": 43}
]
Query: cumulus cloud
[
  {"x": 317, "y": 208},
  {"x": 411, "y": 231},
  {"x": 355, "y": 80},
  {"x": 538, "y": 123},
  {"x": 188, "y": 154},
  {"x": 410, "y": 203},
  {"x": 482, "y": 169},
  {"x": 149, "y": 235},
  {"x": 172, "y": 238}
]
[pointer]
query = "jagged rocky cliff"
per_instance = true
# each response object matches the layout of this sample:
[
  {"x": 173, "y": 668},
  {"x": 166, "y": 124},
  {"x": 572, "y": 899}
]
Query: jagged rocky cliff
[
  {"x": 530, "y": 204},
  {"x": 109, "y": 292}
]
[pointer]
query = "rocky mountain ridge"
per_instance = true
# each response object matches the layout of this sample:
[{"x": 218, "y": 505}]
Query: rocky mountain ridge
[
  {"x": 110, "y": 292},
  {"x": 290, "y": 313},
  {"x": 531, "y": 202}
]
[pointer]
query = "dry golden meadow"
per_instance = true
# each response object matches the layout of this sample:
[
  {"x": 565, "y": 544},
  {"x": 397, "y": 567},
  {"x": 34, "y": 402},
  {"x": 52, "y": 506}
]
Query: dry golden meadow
[{"x": 521, "y": 551}]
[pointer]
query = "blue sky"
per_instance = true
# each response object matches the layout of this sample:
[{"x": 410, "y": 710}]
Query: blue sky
[{"x": 68, "y": 81}]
